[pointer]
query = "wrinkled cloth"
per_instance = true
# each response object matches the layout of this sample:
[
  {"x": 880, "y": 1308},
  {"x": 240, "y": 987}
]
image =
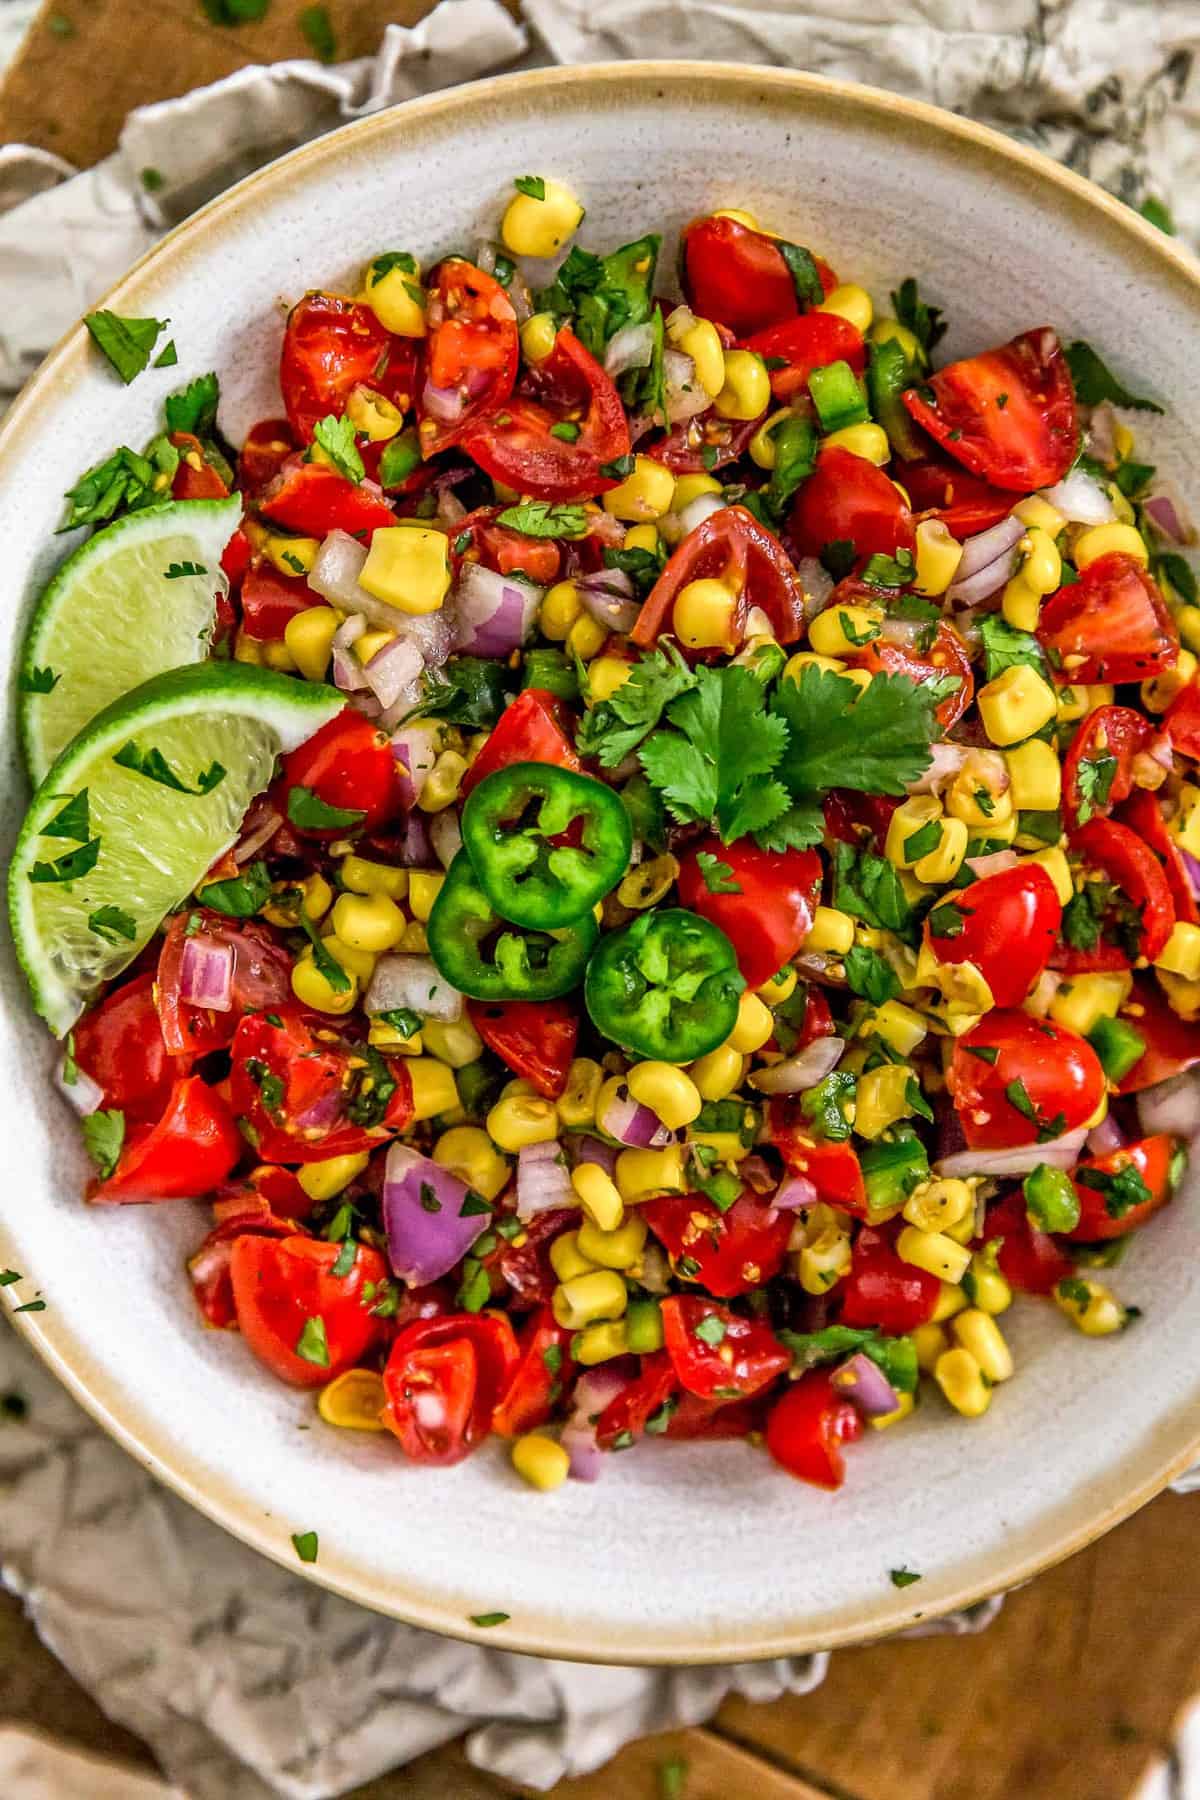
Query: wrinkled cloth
[{"x": 245, "y": 1679}]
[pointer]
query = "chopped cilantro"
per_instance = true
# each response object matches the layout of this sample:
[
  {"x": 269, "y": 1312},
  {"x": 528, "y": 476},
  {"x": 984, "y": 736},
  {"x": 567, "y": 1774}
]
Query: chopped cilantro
[
  {"x": 112, "y": 923},
  {"x": 1095, "y": 382},
  {"x": 312, "y": 1346},
  {"x": 308, "y": 811},
  {"x": 716, "y": 875},
  {"x": 241, "y": 896},
  {"x": 903, "y": 1578},
  {"x": 38, "y": 681},
  {"x": 103, "y": 1136},
  {"x": 336, "y": 438},
  {"x": 305, "y": 1544},
  {"x": 317, "y": 26},
  {"x": 127, "y": 343},
  {"x": 871, "y": 975},
  {"x": 154, "y": 766},
  {"x": 486, "y": 1620},
  {"x": 545, "y": 519},
  {"x": 533, "y": 186},
  {"x": 927, "y": 323}
]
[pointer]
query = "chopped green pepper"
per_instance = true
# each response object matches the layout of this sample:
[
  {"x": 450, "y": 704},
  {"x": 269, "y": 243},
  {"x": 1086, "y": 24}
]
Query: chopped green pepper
[
  {"x": 515, "y": 826},
  {"x": 1051, "y": 1200},
  {"x": 552, "y": 671},
  {"x": 838, "y": 396},
  {"x": 890, "y": 372},
  {"x": 666, "y": 986},
  {"x": 1119, "y": 1047},
  {"x": 483, "y": 957},
  {"x": 891, "y": 1170}
]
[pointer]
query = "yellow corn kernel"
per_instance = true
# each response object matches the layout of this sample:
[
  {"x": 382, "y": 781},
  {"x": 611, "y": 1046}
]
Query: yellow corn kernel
[
  {"x": 646, "y": 492},
  {"x": 576, "y": 1105},
  {"x": 1187, "y": 618},
  {"x": 687, "y": 489},
  {"x": 1022, "y": 608},
  {"x": 540, "y": 1461},
  {"x": 891, "y": 331},
  {"x": 566, "y": 1258},
  {"x": 353, "y": 1401},
  {"x": 276, "y": 655},
  {"x": 540, "y": 226},
  {"x": 374, "y": 417},
  {"x": 850, "y": 302},
  {"x": 1015, "y": 704},
  {"x": 1185, "y": 826},
  {"x": 986, "y": 1287},
  {"x": 940, "y": 1203},
  {"x": 519, "y": 1120},
  {"x": 746, "y": 389},
  {"x": 560, "y": 608},
  {"x": 979, "y": 1333},
  {"x": 386, "y": 1037},
  {"x": 641, "y": 1173},
  {"x": 309, "y": 639},
  {"x": 881, "y": 1421},
  {"x": 312, "y": 989},
  {"x": 642, "y": 537},
  {"x": 1082, "y": 1002},
  {"x": 392, "y": 289},
  {"x": 368, "y": 922},
  {"x": 934, "y": 1252},
  {"x": 795, "y": 666},
  {"x": 754, "y": 1026},
  {"x": 471, "y": 1155},
  {"x": 600, "y": 1342},
  {"x": 1040, "y": 515},
  {"x": 1041, "y": 569},
  {"x": 910, "y": 817},
  {"x": 1035, "y": 776},
  {"x": 843, "y": 630},
  {"x": 408, "y": 567},
  {"x": 434, "y": 1090},
  {"x": 1160, "y": 690},
  {"x": 961, "y": 1380},
  {"x": 1090, "y": 1307},
  {"x": 586, "y": 638},
  {"x": 832, "y": 932},
  {"x": 703, "y": 615},
  {"x": 362, "y": 876},
  {"x": 929, "y": 1341},
  {"x": 1055, "y": 863},
  {"x": 669, "y": 1093},
  {"x": 823, "y": 1262},
  {"x": 617, "y": 1248},
  {"x": 897, "y": 1024},
  {"x": 457, "y": 1043},
  {"x": 1123, "y": 441},
  {"x": 1102, "y": 540},
  {"x": 317, "y": 897},
  {"x": 351, "y": 958},
  {"x": 868, "y": 441},
  {"x": 762, "y": 446},
  {"x": 742, "y": 217},
  {"x": 366, "y": 646},
  {"x": 881, "y": 1099},
  {"x": 606, "y": 675},
  {"x": 1184, "y": 996},
  {"x": 322, "y": 1180},
  {"x": 600, "y": 1294},
  {"x": 938, "y": 555},
  {"x": 598, "y": 1196},
  {"x": 699, "y": 339},
  {"x": 247, "y": 649},
  {"x": 941, "y": 865},
  {"x": 291, "y": 555},
  {"x": 1180, "y": 954},
  {"x": 950, "y": 1300},
  {"x": 781, "y": 987},
  {"x": 538, "y": 335},
  {"x": 424, "y": 886},
  {"x": 442, "y": 784},
  {"x": 861, "y": 678},
  {"x": 1071, "y": 703},
  {"x": 719, "y": 1073}
]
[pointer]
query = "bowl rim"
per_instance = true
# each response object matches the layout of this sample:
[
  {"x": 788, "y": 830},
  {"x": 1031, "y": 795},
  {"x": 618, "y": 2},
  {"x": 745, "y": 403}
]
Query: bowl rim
[{"x": 117, "y": 1413}]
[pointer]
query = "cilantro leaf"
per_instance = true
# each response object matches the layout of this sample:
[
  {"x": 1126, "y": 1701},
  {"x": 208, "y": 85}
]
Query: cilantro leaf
[
  {"x": 532, "y": 185},
  {"x": 242, "y": 895},
  {"x": 871, "y": 975},
  {"x": 890, "y": 571},
  {"x": 154, "y": 766},
  {"x": 1095, "y": 382},
  {"x": 1004, "y": 646},
  {"x": 103, "y": 1136},
  {"x": 545, "y": 519},
  {"x": 72, "y": 821},
  {"x": 802, "y": 267},
  {"x": 308, "y": 811},
  {"x": 127, "y": 343},
  {"x": 719, "y": 768},
  {"x": 1094, "y": 777},
  {"x": 799, "y": 828},
  {"x": 716, "y": 875},
  {"x": 869, "y": 888},
  {"x": 927, "y": 323},
  {"x": 611, "y": 730},
  {"x": 388, "y": 260},
  {"x": 317, "y": 26},
  {"x": 71, "y": 867},
  {"x": 875, "y": 740},
  {"x": 178, "y": 570},
  {"x": 1180, "y": 574},
  {"x": 111, "y": 923},
  {"x": 194, "y": 408},
  {"x": 38, "y": 681},
  {"x": 605, "y": 293},
  {"x": 312, "y": 1345},
  {"x": 336, "y": 438},
  {"x": 467, "y": 691},
  {"x": 1083, "y": 917},
  {"x": 305, "y": 1544},
  {"x": 643, "y": 567},
  {"x": 1122, "y": 1190},
  {"x": 902, "y": 1578}
]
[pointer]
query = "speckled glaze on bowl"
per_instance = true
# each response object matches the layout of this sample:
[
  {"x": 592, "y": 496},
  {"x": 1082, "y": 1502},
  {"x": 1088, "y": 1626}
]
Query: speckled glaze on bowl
[{"x": 681, "y": 1553}]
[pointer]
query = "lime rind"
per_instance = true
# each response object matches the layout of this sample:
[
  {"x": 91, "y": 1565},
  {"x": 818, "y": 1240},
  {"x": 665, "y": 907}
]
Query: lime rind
[
  {"x": 110, "y": 617},
  {"x": 155, "y": 843}
]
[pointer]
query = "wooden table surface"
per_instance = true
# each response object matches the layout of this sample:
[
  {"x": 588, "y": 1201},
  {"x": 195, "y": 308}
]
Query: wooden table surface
[{"x": 1073, "y": 1692}]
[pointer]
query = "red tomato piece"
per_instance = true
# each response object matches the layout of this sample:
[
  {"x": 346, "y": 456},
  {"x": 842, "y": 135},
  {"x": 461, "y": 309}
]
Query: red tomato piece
[
  {"x": 267, "y": 447},
  {"x": 195, "y": 478},
  {"x": 1133, "y": 867},
  {"x": 1110, "y": 625},
  {"x": 630, "y": 1410},
  {"x": 1006, "y": 925},
  {"x": 209, "y": 1269},
  {"x": 1098, "y": 767},
  {"x": 331, "y": 346},
  {"x": 1143, "y": 815},
  {"x": 1030, "y": 1260},
  {"x": 706, "y": 442},
  {"x": 734, "y": 548},
  {"x": 697, "y": 1331},
  {"x": 536, "y": 1038},
  {"x": 497, "y": 547},
  {"x": 348, "y": 764},
  {"x": 1042, "y": 1067},
  {"x": 1172, "y": 1043},
  {"x": 1181, "y": 721},
  {"x": 947, "y": 655},
  {"x": 281, "y": 1285},
  {"x": 1007, "y": 416},
  {"x": 939, "y": 489},
  {"x": 738, "y": 277},
  {"x": 727, "y": 1253},
  {"x": 188, "y": 1152},
  {"x": 884, "y": 1291},
  {"x": 533, "y": 729},
  {"x": 308, "y": 1097},
  {"x": 694, "y": 1418},
  {"x": 542, "y": 1373},
  {"x": 270, "y": 599},
  {"x": 472, "y": 353},
  {"x": 848, "y": 500},
  {"x": 119, "y": 1044},
  {"x": 262, "y": 976},
  {"x": 807, "y": 1427},
  {"x": 444, "y": 1379},
  {"x": 808, "y": 342},
  {"x": 833, "y": 1169},
  {"x": 313, "y": 499},
  {"x": 1109, "y": 1200},
  {"x": 770, "y": 915},
  {"x": 514, "y": 443}
]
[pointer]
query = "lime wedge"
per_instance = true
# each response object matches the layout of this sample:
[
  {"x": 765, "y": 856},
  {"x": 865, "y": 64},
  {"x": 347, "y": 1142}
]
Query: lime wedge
[
  {"x": 134, "y": 812},
  {"x": 137, "y": 598}
]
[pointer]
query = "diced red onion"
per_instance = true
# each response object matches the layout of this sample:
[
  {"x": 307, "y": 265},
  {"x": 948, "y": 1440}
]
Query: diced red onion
[
  {"x": 818, "y": 582},
  {"x": 206, "y": 975},
  {"x": 992, "y": 864},
  {"x": 1102, "y": 433},
  {"x": 1105, "y": 1136},
  {"x": 607, "y": 597},
  {"x": 594, "y": 1390},
  {"x": 625, "y": 1119},
  {"x": 983, "y": 549},
  {"x": 348, "y": 673},
  {"x": 1192, "y": 870},
  {"x": 1080, "y": 499},
  {"x": 324, "y": 1112},
  {"x": 1163, "y": 514},
  {"x": 804, "y": 1070},
  {"x": 427, "y": 1233},
  {"x": 901, "y": 632},
  {"x": 450, "y": 509},
  {"x": 1172, "y": 1106},
  {"x": 446, "y": 404},
  {"x": 585, "y": 1459},
  {"x": 543, "y": 1182},
  {"x": 701, "y": 508},
  {"x": 433, "y": 633},
  {"x": 415, "y": 982},
  {"x": 984, "y": 582},
  {"x": 411, "y": 846},
  {"x": 630, "y": 348},
  {"x": 495, "y": 612},
  {"x": 945, "y": 761},
  {"x": 336, "y": 569},
  {"x": 685, "y": 396},
  {"x": 753, "y": 1170},
  {"x": 258, "y": 828},
  {"x": 865, "y": 1385},
  {"x": 392, "y": 672},
  {"x": 1020, "y": 1159},
  {"x": 445, "y": 834},
  {"x": 415, "y": 750},
  {"x": 793, "y": 1193},
  {"x": 593, "y": 1150},
  {"x": 84, "y": 1094}
]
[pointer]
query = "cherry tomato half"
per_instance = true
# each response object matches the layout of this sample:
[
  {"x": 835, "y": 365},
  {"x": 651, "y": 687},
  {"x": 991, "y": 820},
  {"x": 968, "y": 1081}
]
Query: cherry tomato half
[
  {"x": 1143, "y": 815},
  {"x": 444, "y": 1379},
  {"x": 1133, "y": 867},
  {"x": 1030, "y": 1260},
  {"x": 1098, "y": 767},
  {"x": 1011, "y": 1066},
  {"x": 1120, "y": 1191},
  {"x": 308, "y": 1096},
  {"x": 1007, "y": 416},
  {"x": 1006, "y": 925},
  {"x": 1172, "y": 1043},
  {"x": 638, "y": 1401},
  {"x": 189, "y": 1151},
  {"x": 536, "y": 1038},
  {"x": 497, "y": 547},
  {"x": 847, "y": 500},
  {"x": 262, "y": 976},
  {"x": 280, "y": 1286},
  {"x": 833, "y": 1169},
  {"x": 349, "y": 765},
  {"x": 314, "y": 500},
  {"x": 807, "y": 1427},
  {"x": 808, "y": 342},
  {"x": 947, "y": 655},
  {"x": 883, "y": 1290},
  {"x": 267, "y": 447},
  {"x": 731, "y": 547},
  {"x": 1182, "y": 721},
  {"x": 195, "y": 478},
  {"x": 532, "y": 729},
  {"x": 717, "y": 1354},
  {"x": 472, "y": 352},
  {"x": 727, "y": 1253},
  {"x": 940, "y": 489},
  {"x": 771, "y": 912},
  {"x": 1110, "y": 625},
  {"x": 119, "y": 1044},
  {"x": 332, "y": 345},
  {"x": 543, "y": 1371},
  {"x": 738, "y": 277}
]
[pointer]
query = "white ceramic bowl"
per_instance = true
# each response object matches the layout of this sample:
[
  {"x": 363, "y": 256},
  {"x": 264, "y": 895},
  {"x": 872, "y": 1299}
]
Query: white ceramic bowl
[{"x": 680, "y": 1553}]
